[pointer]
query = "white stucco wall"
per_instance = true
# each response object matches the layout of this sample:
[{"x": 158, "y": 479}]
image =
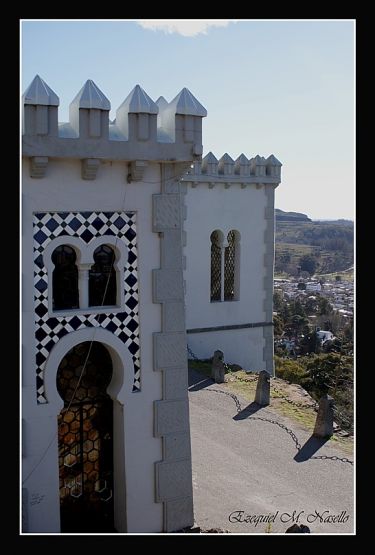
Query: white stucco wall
[
  {"x": 62, "y": 189},
  {"x": 241, "y": 209}
]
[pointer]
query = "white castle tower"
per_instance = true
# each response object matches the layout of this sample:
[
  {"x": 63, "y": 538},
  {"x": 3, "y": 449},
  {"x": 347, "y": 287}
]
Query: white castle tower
[
  {"x": 106, "y": 443},
  {"x": 229, "y": 258}
]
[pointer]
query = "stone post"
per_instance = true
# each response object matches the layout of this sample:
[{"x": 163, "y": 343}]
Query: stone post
[
  {"x": 218, "y": 370},
  {"x": 324, "y": 418},
  {"x": 262, "y": 394}
]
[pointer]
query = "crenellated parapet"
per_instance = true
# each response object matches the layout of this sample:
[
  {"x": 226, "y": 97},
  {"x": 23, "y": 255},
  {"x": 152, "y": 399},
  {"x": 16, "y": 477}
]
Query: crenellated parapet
[
  {"x": 226, "y": 171},
  {"x": 143, "y": 130}
]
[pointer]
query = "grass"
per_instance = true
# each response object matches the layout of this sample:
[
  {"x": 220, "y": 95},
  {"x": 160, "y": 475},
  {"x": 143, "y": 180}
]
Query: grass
[{"x": 302, "y": 416}]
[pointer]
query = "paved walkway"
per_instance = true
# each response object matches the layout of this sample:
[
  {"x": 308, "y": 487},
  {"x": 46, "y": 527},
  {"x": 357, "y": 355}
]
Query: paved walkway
[{"x": 249, "y": 468}]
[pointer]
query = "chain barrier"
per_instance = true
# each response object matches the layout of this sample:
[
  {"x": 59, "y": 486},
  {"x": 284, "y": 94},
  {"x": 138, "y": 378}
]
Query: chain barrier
[
  {"x": 314, "y": 405},
  {"x": 232, "y": 395},
  {"x": 269, "y": 420}
]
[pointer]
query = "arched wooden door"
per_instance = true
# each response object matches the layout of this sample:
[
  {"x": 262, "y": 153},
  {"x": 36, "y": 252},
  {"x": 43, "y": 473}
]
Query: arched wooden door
[{"x": 85, "y": 427}]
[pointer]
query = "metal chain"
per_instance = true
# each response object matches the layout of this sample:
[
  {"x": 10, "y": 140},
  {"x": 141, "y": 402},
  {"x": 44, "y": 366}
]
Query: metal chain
[
  {"x": 249, "y": 379},
  {"x": 232, "y": 395},
  {"x": 192, "y": 354},
  {"x": 276, "y": 423},
  {"x": 314, "y": 405}
]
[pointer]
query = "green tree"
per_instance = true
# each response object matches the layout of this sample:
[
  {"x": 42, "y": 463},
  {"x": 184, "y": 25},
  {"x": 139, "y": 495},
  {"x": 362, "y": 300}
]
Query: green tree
[
  {"x": 311, "y": 305},
  {"x": 329, "y": 371},
  {"x": 308, "y": 263},
  {"x": 310, "y": 344},
  {"x": 291, "y": 371},
  {"x": 324, "y": 306},
  {"x": 278, "y": 325},
  {"x": 278, "y": 300},
  {"x": 298, "y": 324}
]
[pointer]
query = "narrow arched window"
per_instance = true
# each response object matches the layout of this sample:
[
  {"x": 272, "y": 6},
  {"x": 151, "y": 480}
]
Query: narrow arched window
[
  {"x": 229, "y": 267},
  {"x": 102, "y": 278},
  {"x": 215, "y": 266},
  {"x": 64, "y": 279}
]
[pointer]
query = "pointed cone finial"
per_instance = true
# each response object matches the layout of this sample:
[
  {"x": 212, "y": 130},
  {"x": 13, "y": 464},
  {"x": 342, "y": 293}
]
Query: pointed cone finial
[
  {"x": 210, "y": 158},
  {"x": 90, "y": 96},
  {"x": 39, "y": 93},
  {"x": 226, "y": 159},
  {"x": 186, "y": 104},
  {"x": 273, "y": 161},
  {"x": 138, "y": 101},
  {"x": 242, "y": 160},
  {"x": 161, "y": 103}
]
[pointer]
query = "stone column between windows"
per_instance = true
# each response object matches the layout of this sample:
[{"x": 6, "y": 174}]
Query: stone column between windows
[
  {"x": 83, "y": 285},
  {"x": 173, "y": 474}
]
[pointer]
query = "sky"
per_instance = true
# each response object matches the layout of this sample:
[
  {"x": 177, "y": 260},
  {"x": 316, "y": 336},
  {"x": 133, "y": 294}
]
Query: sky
[{"x": 269, "y": 86}]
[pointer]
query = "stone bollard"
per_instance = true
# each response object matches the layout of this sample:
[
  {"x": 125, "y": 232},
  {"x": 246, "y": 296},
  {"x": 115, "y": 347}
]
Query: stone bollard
[
  {"x": 324, "y": 418},
  {"x": 262, "y": 394},
  {"x": 218, "y": 371}
]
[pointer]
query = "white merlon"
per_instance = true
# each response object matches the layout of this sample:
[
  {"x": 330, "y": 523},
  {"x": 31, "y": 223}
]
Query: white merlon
[
  {"x": 258, "y": 166},
  {"x": 136, "y": 117},
  {"x": 181, "y": 119},
  {"x": 89, "y": 112},
  {"x": 138, "y": 102},
  {"x": 273, "y": 161},
  {"x": 258, "y": 171},
  {"x": 40, "y": 104},
  {"x": 91, "y": 97},
  {"x": 161, "y": 103},
  {"x": 273, "y": 166},
  {"x": 39, "y": 93},
  {"x": 187, "y": 105},
  {"x": 226, "y": 165},
  {"x": 151, "y": 130},
  {"x": 242, "y": 165},
  {"x": 210, "y": 164}
]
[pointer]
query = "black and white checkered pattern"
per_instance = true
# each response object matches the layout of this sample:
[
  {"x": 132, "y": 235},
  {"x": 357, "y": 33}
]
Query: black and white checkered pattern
[{"x": 125, "y": 325}]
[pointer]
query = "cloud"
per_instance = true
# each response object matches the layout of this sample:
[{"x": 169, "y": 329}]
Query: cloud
[{"x": 186, "y": 28}]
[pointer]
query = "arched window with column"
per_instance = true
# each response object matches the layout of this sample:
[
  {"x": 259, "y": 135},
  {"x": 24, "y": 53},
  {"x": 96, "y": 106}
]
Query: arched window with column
[
  {"x": 102, "y": 278},
  {"x": 64, "y": 278}
]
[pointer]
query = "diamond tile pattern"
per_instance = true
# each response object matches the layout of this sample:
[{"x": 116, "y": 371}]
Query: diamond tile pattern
[{"x": 125, "y": 325}]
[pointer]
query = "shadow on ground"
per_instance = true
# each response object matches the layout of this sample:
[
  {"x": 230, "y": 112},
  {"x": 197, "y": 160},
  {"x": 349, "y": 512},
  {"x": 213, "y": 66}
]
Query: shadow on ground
[
  {"x": 247, "y": 411},
  {"x": 197, "y": 381},
  {"x": 312, "y": 445}
]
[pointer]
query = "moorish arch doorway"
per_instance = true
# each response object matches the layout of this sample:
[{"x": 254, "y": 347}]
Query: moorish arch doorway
[{"x": 85, "y": 434}]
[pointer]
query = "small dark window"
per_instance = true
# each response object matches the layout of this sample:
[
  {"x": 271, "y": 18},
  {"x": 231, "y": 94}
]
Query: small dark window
[
  {"x": 102, "y": 278},
  {"x": 64, "y": 279}
]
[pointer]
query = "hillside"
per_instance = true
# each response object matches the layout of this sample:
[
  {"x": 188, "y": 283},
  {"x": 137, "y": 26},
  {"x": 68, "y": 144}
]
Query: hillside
[
  {"x": 290, "y": 216},
  {"x": 329, "y": 243}
]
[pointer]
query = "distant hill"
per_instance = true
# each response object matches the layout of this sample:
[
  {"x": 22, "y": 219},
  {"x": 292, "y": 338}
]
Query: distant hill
[
  {"x": 282, "y": 216},
  {"x": 329, "y": 242}
]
